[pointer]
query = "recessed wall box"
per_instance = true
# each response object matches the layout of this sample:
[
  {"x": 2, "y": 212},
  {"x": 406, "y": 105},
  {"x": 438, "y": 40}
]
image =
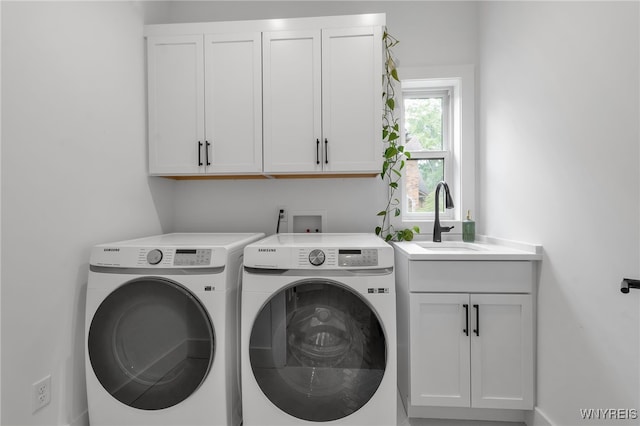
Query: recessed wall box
[{"x": 311, "y": 221}]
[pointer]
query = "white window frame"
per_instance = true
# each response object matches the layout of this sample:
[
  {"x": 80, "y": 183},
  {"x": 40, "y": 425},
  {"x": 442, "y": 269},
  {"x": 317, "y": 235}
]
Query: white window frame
[
  {"x": 420, "y": 89},
  {"x": 460, "y": 155}
]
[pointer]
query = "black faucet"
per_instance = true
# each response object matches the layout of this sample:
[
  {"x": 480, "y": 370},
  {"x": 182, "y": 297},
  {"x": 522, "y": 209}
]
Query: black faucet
[{"x": 448, "y": 203}]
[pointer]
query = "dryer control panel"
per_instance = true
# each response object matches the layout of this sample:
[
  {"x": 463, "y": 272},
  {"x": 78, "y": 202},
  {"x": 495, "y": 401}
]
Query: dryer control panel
[{"x": 358, "y": 258}]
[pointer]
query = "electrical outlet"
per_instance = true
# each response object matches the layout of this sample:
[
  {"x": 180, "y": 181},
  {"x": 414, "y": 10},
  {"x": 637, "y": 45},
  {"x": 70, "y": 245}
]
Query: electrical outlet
[
  {"x": 282, "y": 211},
  {"x": 41, "y": 391}
]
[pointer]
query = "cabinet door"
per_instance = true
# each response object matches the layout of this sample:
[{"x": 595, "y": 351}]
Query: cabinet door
[
  {"x": 176, "y": 104},
  {"x": 502, "y": 351},
  {"x": 233, "y": 103},
  {"x": 352, "y": 99},
  {"x": 439, "y": 350},
  {"x": 292, "y": 101}
]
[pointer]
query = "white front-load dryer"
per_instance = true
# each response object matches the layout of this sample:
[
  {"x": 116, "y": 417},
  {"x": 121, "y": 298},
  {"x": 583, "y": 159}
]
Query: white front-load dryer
[
  {"x": 318, "y": 331},
  {"x": 161, "y": 330}
]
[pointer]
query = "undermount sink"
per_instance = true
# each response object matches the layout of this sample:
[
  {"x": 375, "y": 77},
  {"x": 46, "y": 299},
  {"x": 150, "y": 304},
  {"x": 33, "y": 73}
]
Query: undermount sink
[{"x": 450, "y": 246}]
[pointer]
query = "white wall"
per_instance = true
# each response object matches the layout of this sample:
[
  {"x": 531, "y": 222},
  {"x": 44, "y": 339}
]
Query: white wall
[
  {"x": 73, "y": 175},
  {"x": 559, "y": 166},
  {"x": 430, "y": 33}
]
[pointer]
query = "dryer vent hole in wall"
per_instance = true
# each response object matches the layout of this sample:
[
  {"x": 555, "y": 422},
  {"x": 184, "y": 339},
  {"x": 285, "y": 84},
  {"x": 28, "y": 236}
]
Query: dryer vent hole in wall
[{"x": 41, "y": 391}]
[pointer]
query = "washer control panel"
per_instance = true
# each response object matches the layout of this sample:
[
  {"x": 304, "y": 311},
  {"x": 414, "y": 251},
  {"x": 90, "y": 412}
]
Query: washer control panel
[
  {"x": 357, "y": 257},
  {"x": 317, "y": 257},
  {"x": 192, "y": 257},
  {"x": 342, "y": 258}
]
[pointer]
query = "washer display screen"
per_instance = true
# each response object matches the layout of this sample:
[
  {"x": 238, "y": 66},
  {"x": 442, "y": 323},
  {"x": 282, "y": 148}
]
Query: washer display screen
[
  {"x": 318, "y": 351},
  {"x": 151, "y": 343}
]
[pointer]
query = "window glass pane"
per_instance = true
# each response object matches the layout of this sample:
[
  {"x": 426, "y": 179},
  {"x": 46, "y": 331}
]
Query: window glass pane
[
  {"x": 423, "y": 123},
  {"x": 421, "y": 178}
]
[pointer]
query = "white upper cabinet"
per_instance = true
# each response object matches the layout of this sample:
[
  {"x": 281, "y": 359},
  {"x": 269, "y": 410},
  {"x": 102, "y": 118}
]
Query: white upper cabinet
[
  {"x": 292, "y": 101},
  {"x": 176, "y": 104},
  {"x": 322, "y": 100},
  {"x": 233, "y": 107},
  {"x": 205, "y": 114},
  {"x": 274, "y": 97},
  {"x": 352, "y": 99}
]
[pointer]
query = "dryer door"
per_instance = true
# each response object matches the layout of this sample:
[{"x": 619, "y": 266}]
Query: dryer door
[
  {"x": 151, "y": 343},
  {"x": 318, "y": 351}
]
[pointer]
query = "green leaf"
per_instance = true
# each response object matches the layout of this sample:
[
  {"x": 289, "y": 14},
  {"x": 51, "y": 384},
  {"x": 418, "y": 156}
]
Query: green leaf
[
  {"x": 382, "y": 213},
  {"x": 393, "y": 136},
  {"x": 378, "y": 230},
  {"x": 416, "y": 229},
  {"x": 407, "y": 234},
  {"x": 394, "y": 74},
  {"x": 390, "y": 152},
  {"x": 393, "y": 185},
  {"x": 388, "y": 237},
  {"x": 397, "y": 213},
  {"x": 391, "y": 103}
]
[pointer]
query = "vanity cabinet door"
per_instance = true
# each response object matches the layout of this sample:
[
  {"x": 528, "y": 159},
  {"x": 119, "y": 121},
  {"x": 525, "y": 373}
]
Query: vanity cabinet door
[
  {"x": 501, "y": 351},
  {"x": 439, "y": 350}
]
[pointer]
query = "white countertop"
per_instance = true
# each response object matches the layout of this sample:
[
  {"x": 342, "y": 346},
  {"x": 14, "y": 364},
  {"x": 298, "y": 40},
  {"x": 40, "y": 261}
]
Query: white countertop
[{"x": 484, "y": 248}]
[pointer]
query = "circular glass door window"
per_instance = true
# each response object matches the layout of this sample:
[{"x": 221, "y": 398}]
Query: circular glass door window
[
  {"x": 318, "y": 351},
  {"x": 151, "y": 343}
]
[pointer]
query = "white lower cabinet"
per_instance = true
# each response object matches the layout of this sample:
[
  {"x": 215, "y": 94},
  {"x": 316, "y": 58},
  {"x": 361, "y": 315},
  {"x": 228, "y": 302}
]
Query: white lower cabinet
[{"x": 471, "y": 350}]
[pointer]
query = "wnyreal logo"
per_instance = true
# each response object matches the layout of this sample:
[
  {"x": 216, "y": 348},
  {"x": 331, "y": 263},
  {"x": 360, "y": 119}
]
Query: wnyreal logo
[
  {"x": 112, "y": 249},
  {"x": 266, "y": 250}
]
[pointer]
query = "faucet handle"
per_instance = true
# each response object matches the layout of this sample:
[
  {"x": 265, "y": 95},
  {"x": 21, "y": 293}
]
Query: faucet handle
[{"x": 446, "y": 228}]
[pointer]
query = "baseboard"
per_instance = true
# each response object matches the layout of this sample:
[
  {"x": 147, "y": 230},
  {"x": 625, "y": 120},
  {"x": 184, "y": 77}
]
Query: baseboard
[
  {"x": 537, "y": 418},
  {"x": 459, "y": 413}
]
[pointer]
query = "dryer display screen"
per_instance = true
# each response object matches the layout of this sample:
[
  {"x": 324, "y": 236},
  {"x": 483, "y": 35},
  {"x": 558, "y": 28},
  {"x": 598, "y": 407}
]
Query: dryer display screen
[
  {"x": 192, "y": 257},
  {"x": 358, "y": 258}
]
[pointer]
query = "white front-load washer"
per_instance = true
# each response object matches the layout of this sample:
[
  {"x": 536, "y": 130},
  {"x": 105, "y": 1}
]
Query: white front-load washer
[
  {"x": 318, "y": 331},
  {"x": 161, "y": 330}
]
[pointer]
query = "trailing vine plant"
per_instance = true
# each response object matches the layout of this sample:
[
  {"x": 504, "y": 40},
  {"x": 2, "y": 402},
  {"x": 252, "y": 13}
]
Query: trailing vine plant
[{"x": 394, "y": 153}]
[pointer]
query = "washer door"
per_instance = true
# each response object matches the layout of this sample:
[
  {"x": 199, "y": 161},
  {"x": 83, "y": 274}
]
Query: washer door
[
  {"x": 151, "y": 343},
  {"x": 318, "y": 351}
]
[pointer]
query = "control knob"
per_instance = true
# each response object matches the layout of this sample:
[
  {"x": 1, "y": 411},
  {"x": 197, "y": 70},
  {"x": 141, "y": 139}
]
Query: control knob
[
  {"x": 316, "y": 257},
  {"x": 154, "y": 257}
]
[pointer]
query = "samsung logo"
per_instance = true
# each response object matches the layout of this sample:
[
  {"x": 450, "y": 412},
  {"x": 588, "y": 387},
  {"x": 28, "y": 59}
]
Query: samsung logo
[
  {"x": 112, "y": 249},
  {"x": 269, "y": 250}
]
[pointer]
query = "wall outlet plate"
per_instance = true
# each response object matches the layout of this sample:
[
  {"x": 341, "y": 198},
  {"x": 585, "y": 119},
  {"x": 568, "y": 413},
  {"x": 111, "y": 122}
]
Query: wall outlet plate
[{"x": 41, "y": 393}]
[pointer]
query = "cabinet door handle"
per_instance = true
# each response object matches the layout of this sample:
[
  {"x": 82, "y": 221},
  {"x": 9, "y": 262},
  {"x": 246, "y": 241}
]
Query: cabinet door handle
[
  {"x": 326, "y": 151},
  {"x": 477, "y": 329},
  {"x": 317, "y": 151},
  {"x": 199, "y": 153},
  {"x": 466, "y": 320},
  {"x": 206, "y": 153}
]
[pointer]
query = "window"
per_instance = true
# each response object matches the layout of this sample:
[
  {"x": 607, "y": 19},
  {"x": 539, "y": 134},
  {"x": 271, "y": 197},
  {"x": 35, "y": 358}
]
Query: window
[
  {"x": 427, "y": 120},
  {"x": 437, "y": 119}
]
